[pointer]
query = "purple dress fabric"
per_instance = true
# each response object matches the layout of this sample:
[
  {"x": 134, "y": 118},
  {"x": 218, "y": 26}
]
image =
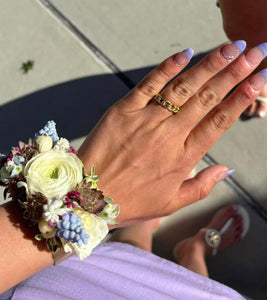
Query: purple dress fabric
[{"x": 119, "y": 271}]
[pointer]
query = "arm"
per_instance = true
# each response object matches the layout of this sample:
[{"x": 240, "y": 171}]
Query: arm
[
  {"x": 143, "y": 152},
  {"x": 21, "y": 256}
]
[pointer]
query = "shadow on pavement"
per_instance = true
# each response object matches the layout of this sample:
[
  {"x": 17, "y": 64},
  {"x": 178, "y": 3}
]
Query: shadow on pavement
[{"x": 75, "y": 106}]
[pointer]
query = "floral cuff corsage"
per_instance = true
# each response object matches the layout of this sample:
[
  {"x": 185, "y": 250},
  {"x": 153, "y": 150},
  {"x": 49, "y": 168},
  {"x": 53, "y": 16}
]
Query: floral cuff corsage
[{"x": 47, "y": 179}]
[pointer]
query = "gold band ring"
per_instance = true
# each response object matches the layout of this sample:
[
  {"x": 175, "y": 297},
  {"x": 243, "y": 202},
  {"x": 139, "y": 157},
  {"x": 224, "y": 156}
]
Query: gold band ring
[{"x": 166, "y": 104}]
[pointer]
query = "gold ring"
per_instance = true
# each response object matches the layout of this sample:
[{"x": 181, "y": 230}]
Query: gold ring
[{"x": 166, "y": 104}]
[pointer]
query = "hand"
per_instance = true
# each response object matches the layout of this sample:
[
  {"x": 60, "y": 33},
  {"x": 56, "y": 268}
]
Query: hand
[{"x": 143, "y": 153}]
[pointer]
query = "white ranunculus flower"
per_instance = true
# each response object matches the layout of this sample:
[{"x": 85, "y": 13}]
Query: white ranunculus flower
[
  {"x": 95, "y": 227},
  {"x": 53, "y": 173}
]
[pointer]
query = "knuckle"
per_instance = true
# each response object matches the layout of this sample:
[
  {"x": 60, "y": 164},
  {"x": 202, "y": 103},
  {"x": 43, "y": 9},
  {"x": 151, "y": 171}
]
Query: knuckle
[
  {"x": 236, "y": 73},
  {"x": 204, "y": 191},
  {"x": 163, "y": 72},
  {"x": 221, "y": 122},
  {"x": 147, "y": 87},
  {"x": 210, "y": 64},
  {"x": 181, "y": 90},
  {"x": 207, "y": 97},
  {"x": 246, "y": 96}
]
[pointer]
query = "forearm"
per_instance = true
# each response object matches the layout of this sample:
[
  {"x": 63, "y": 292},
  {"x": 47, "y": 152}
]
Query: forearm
[{"x": 20, "y": 254}]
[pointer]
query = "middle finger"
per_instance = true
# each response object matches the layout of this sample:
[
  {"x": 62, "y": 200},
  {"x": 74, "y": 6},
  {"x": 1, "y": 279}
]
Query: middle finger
[
  {"x": 217, "y": 87},
  {"x": 186, "y": 85}
]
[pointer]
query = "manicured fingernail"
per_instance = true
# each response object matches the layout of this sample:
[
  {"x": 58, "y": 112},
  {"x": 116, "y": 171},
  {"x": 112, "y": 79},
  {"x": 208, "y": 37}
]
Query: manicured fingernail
[
  {"x": 225, "y": 174},
  {"x": 262, "y": 114},
  {"x": 263, "y": 47},
  {"x": 264, "y": 74},
  {"x": 184, "y": 57},
  {"x": 231, "y": 51},
  {"x": 256, "y": 54},
  {"x": 235, "y": 207},
  {"x": 259, "y": 80}
]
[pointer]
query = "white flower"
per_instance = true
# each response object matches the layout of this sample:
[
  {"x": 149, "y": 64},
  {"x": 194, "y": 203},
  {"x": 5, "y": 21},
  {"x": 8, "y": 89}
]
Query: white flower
[
  {"x": 53, "y": 173},
  {"x": 45, "y": 143},
  {"x": 11, "y": 168},
  {"x": 110, "y": 213},
  {"x": 52, "y": 210},
  {"x": 95, "y": 227},
  {"x": 62, "y": 145}
]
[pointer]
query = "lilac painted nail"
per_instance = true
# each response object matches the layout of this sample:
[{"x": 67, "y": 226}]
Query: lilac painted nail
[
  {"x": 224, "y": 175},
  {"x": 263, "y": 47},
  {"x": 231, "y": 51},
  {"x": 183, "y": 57},
  {"x": 264, "y": 74},
  {"x": 241, "y": 45},
  {"x": 189, "y": 52},
  {"x": 255, "y": 55},
  {"x": 230, "y": 172}
]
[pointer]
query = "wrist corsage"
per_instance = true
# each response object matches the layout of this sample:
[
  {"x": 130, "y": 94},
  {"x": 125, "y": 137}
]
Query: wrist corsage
[{"x": 46, "y": 177}]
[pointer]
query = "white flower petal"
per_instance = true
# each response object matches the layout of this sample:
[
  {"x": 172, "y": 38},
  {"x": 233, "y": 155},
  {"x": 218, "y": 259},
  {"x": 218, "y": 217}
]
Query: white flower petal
[
  {"x": 95, "y": 227},
  {"x": 53, "y": 173}
]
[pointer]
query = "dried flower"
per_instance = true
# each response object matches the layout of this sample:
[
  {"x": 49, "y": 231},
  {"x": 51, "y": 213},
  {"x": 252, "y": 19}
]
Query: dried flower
[
  {"x": 14, "y": 192},
  {"x": 91, "y": 200},
  {"x": 34, "y": 207}
]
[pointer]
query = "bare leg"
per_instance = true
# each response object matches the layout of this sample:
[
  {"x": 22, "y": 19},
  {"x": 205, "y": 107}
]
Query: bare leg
[
  {"x": 139, "y": 235},
  {"x": 192, "y": 252}
]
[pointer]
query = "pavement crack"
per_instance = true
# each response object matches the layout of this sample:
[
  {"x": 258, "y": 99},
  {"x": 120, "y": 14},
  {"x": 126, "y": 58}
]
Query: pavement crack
[{"x": 61, "y": 18}]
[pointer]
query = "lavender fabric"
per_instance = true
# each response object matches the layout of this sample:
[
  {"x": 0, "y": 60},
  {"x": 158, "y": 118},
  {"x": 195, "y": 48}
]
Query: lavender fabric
[{"x": 119, "y": 271}]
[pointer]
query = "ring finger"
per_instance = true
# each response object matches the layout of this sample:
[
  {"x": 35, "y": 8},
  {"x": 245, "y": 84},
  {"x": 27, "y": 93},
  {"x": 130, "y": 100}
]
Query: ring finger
[
  {"x": 186, "y": 85},
  {"x": 217, "y": 87}
]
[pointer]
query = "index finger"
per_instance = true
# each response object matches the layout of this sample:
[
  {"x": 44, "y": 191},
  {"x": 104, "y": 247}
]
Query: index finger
[{"x": 154, "y": 82}]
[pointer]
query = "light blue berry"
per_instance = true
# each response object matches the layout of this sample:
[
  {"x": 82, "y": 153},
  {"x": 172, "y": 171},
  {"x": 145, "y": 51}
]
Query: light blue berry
[
  {"x": 66, "y": 217},
  {"x": 66, "y": 234},
  {"x": 71, "y": 229},
  {"x": 72, "y": 234},
  {"x": 50, "y": 130}
]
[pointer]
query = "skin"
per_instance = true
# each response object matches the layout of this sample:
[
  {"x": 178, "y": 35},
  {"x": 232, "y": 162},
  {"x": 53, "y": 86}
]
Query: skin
[
  {"x": 192, "y": 252},
  {"x": 155, "y": 149},
  {"x": 246, "y": 19},
  {"x": 140, "y": 149}
]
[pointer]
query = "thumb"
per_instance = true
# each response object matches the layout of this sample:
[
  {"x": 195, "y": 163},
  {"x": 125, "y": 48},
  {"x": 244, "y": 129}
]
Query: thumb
[{"x": 201, "y": 185}]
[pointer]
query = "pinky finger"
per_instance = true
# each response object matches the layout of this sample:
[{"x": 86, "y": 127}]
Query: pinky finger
[{"x": 223, "y": 116}]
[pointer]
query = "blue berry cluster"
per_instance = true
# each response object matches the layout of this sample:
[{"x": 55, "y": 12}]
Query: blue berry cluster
[
  {"x": 71, "y": 229},
  {"x": 50, "y": 130}
]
